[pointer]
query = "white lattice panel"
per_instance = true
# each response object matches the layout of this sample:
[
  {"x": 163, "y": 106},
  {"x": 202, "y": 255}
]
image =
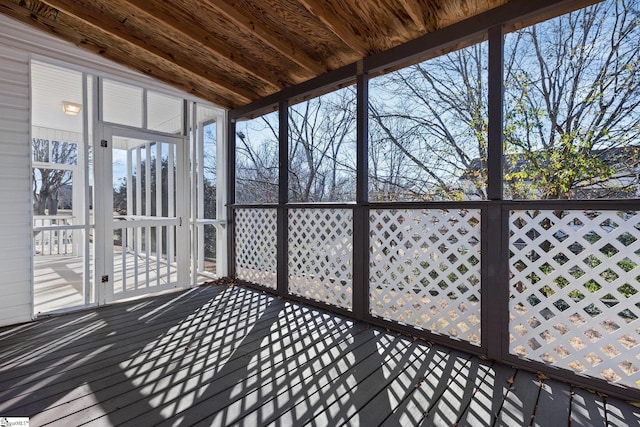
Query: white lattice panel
[
  {"x": 425, "y": 269},
  {"x": 255, "y": 235},
  {"x": 320, "y": 255},
  {"x": 574, "y": 283}
]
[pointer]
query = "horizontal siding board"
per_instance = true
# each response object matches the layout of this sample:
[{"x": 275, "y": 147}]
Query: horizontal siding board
[
  {"x": 13, "y": 70},
  {"x": 17, "y": 197},
  {"x": 14, "y": 126},
  {"x": 21, "y": 247},
  {"x": 12, "y": 289},
  {"x": 15, "y": 187},
  {"x": 13, "y": 83},
  {"x": 13, "y": 154},
  {"x": 10, "y": 99},
  {"x": 22, "y": 230},
  {"x": 22, "y": 227},
  {"x": 15, "y": 314},
  {"x": 20, "y": 181},
  {"x": 19, "y": 115},
  {"x": 20, "y": 257},
  {"x": 17, "y": 151},
  {"x": 20, "y": 298},
  {"x": 13, "y": 55},
  {"x": 13, "y": 137}
]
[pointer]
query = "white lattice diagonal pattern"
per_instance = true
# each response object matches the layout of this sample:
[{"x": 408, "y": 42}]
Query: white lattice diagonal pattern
[
  {"x": 320, "y": 255},
  {"x": 574, "y": 283},
  {"x": 425, "y": 269},
  {"x": 256, "y": 241}
]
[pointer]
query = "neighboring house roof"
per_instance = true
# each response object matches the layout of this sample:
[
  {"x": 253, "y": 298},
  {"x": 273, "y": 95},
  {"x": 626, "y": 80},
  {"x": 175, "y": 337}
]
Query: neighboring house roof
[{"x": 619, "y": 158}]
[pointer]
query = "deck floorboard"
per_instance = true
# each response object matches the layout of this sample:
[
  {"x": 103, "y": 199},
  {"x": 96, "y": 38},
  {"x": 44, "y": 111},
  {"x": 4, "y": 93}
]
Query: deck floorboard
[{"x": 229, "y": 355}]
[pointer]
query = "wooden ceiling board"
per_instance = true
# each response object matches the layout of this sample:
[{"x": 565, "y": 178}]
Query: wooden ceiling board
[
  {"x": 202, "y": 26},
  {"x": 140, "y": 29},
  {"x": 452, "y": 11},
  {"x": 103, "y": 43},
  {"x": 233, "y": 52},
  {"x": 238, "y": 14},
  {"x": 307, "y": 33},
  {"x": 367, "y": 27}
]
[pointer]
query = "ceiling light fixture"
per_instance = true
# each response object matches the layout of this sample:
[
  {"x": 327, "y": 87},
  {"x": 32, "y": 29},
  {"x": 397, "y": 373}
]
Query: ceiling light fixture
[{"x": 71, "y": 108}]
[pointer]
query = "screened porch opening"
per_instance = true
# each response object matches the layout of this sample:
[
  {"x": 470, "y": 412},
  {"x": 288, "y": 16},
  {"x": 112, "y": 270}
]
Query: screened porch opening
[
  {"x": 124, "y": 175},
  {"x": 484, "y": 197}
]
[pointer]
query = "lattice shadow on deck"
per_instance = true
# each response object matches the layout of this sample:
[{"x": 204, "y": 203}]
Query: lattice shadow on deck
[{"x": 221, "y": 355}]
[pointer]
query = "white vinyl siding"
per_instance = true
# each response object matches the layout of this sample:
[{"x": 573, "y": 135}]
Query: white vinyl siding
[{"x": 15, "y": 200}]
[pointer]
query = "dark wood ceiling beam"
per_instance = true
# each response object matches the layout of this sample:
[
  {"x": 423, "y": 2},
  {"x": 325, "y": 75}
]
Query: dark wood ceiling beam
[
  {"x": 50, "y": 20},
  {"x": 98, "y": 18},
  {"x": 175, "y": 18},
  {"x": 336, "y": 25},
  {"x": 268, "y": 36}
]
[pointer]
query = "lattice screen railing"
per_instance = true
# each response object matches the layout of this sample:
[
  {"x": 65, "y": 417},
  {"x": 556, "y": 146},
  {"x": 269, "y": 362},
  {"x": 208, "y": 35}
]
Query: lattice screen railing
[
  {"x": 425, "y": 269},
  {"x": 574, "y": 283},
  {"x": 255, "y": 247},
  {"x": 320, "y": 255}
]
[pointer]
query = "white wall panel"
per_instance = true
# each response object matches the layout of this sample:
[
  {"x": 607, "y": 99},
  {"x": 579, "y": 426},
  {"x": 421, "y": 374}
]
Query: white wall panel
[{"x": 15, "y": 205}]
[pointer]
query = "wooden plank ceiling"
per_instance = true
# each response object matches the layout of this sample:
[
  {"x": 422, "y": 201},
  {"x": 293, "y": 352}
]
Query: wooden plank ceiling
[{"x": 234, "y": 52}]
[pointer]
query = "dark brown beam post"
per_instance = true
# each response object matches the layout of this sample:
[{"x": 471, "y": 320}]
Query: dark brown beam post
[
  {"x": 231, "y": 197},
  {"x": 495, "y": 290},
  {"x": 282, "y": 246},
  {"x": 361, "y": 211}
]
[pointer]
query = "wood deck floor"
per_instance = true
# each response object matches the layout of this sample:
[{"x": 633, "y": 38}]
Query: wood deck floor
[{"x": 223, "y": 355}]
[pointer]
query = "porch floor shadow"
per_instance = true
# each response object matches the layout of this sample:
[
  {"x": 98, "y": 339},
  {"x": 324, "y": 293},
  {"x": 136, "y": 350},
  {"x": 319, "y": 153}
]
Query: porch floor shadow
[{"x": 228, "y": 355}]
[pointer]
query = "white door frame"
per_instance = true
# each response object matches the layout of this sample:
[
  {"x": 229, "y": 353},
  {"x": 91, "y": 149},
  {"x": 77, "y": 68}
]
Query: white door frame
[{"x": 103, "y": 204}]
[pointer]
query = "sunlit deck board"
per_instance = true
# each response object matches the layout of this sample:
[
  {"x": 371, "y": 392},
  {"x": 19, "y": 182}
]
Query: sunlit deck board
[
  {"x": 587, "y": 409},
  {"x": 222, "y": 355},
  {"x": 58, "y": 279},
  {"x": 554, "y": 404},
  {"x": 520, "y": 402}
]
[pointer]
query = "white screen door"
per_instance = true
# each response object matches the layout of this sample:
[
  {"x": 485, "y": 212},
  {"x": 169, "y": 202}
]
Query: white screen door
[{"x": 142, "y": 210}]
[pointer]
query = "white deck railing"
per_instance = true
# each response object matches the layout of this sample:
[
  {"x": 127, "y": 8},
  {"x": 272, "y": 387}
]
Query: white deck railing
[{"x": 53, "y": 235}]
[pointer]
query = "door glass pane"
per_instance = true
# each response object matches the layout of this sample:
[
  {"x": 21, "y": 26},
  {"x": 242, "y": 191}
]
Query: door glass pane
[{"x": 209, "y": 171}]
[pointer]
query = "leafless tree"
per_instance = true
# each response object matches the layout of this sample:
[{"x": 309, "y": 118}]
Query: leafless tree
[
  {"x": 49, "y": 180},
  {"x": 571, "y": 114},
  {"x": 428, "y": 128},
  {"x": 257, "y": 160},
  {"x": 321, "y": 159},
  {"x": 322, "y": 148},
  {"x": 573, "y": 103}
]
